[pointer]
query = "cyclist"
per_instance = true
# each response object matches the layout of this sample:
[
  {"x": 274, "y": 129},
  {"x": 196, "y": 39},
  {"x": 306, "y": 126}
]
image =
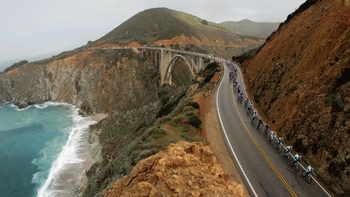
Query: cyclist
[
  {"x": 235, "y": 85},
  {"x": 240, "y": 97},
  {"x": 296, "y": 158},
  {"x": 272, "y": 135},
  {"x": 246, "y": 101},
  {"x": 267, "y": 128},
  {"x": 255, "y": 115},
  {"x": 279, "y": 141},
  {"x": 308, "y": 170},
  {"x": 259, "y": 124},
  {"x": 288, "y": 150},
  {"x": 250, "y": 107}
]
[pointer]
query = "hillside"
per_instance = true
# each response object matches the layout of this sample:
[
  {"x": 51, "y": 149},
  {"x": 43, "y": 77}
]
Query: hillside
[
  {"x": 250, "y": 28},
  {"x": 302, "y": 88},
  {"x": 177, "y": 30}
]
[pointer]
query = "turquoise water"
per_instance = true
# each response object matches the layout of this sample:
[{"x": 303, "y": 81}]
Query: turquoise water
[{"x": 39, "y": 148}]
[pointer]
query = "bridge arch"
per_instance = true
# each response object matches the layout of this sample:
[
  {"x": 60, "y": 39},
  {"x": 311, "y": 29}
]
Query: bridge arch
[{"x": 189, "y": 62}]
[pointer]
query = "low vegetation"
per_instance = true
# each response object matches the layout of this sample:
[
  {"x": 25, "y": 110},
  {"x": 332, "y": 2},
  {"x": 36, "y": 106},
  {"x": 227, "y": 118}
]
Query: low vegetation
[
  {"x": 130, "y": 136},
  {"x": 16, "y": 65}
]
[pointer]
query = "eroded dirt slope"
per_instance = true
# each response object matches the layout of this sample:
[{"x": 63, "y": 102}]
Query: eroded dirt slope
[{"x": 300, "y": 82}]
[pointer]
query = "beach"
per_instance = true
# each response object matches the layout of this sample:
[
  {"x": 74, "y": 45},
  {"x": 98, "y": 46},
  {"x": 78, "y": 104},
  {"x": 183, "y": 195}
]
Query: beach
[{"x": 81, "y": 181}]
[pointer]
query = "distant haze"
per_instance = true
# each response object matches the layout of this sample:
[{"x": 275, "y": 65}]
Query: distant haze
[
  {"x": 37, "y": 28},
  {"x": 251, "y": 28}
]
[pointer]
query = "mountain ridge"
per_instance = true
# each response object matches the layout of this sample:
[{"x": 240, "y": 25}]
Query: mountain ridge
[{"x": 178, "y": 30}]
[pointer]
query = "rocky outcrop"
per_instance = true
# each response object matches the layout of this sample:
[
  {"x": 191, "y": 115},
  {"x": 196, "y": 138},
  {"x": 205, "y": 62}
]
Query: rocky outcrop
[
  {"x": 302, "y": 87},
  {"x": 183, "y": 169}
]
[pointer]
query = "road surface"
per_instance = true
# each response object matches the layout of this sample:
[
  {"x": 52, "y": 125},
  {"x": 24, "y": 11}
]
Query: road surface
[{"x": 265, "y": 171}]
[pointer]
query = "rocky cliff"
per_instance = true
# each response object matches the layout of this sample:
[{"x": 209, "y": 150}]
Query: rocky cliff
[
  {"x": 183, "y": 169},
  {"x": 300, "y": 82},
  {"x": 95, "y": 80}
]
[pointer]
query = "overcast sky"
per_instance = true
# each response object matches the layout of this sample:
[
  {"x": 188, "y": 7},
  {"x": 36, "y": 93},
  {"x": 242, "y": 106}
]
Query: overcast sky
[{"x": 36, "y": 29}]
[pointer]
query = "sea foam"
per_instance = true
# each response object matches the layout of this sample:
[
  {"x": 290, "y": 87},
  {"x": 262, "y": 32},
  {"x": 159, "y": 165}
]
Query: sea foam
[{"x": 65, "y": 169}]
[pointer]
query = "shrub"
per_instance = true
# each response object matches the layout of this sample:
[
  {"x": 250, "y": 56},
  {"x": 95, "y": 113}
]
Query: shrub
[
  {"x": 194, "y": 105},
  {"x": 204, "y": 22},
  {"x": 157, "y": 133},
  {"x": 292, "y": 89},
  {"x": 336, "y": 103},
  {"x": 195, "y": 121},
  {"x": 275, "y": 96},
  {"x": 187, "y": 109},
  {"x": 144, "y": 154},
  {"x": 167, "y": 142},
  {"x": 16, "y": 65},
  {"x": 189, "y": 136},
  {"x": 148, "y": 145},
  {"x": 257, "y": 98}
]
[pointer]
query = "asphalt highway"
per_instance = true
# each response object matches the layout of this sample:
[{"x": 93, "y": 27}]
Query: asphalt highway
[{"x": 265, "y": 171}]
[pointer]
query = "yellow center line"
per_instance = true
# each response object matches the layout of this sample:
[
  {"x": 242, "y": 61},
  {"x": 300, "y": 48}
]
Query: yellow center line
[{"x": 263, "y": 153}]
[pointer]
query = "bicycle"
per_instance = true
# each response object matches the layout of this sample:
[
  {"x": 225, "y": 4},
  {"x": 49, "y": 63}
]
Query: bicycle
[
  {"x": 246, "y": 104},
  {"x": 295, "y": 162},
  {"x": 267, "y": 129},
  {"x": 278, "y": 143},
  {"x": 280, "y": 148},
  {"x": 249, "y": 111},
  {"x": 307, "y": 174},
  {"x": 240, "y": 98},
  {"x": 271, "y": 136},
  {"x": 253, "y": 120},
  {"x": 287, "y": 151},
  {"x": 259, "y": 124},
  {"x": 260, "y": 129}
]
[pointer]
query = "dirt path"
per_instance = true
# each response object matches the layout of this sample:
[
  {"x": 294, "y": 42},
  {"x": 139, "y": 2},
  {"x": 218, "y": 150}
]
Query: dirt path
[{"x": 212, "y": 133}]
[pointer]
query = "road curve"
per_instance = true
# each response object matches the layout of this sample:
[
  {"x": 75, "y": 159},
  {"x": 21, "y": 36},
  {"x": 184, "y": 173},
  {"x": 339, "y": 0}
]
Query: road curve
[{"x": 265, "y": 171}]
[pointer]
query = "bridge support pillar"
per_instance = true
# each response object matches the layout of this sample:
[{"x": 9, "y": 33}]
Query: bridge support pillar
[
  {"x": 200, "y": 63},
  {"x": 165, "y": 58}
]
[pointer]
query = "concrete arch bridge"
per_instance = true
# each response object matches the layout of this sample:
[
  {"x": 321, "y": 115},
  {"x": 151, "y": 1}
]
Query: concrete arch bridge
[{"x": 165, "y": 59}]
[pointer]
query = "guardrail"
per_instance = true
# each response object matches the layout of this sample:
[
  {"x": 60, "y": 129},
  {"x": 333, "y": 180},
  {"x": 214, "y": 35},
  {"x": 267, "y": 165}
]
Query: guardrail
[{"x": 217, "y": 82}]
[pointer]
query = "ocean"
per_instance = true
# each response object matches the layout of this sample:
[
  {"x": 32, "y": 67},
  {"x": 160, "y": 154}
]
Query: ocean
[{"x": 42, "y": 149}]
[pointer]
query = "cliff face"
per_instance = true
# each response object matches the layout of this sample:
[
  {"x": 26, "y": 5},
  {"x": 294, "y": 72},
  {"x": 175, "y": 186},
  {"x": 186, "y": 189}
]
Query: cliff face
[
  {"x": 183, "y": 169},
  {"x": 95, "y": 80},
  {"x": 300, "y": 82}
]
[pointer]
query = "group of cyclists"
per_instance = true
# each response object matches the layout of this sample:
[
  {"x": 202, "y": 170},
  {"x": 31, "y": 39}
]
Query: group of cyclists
[{"x": 277, "y": 142}]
